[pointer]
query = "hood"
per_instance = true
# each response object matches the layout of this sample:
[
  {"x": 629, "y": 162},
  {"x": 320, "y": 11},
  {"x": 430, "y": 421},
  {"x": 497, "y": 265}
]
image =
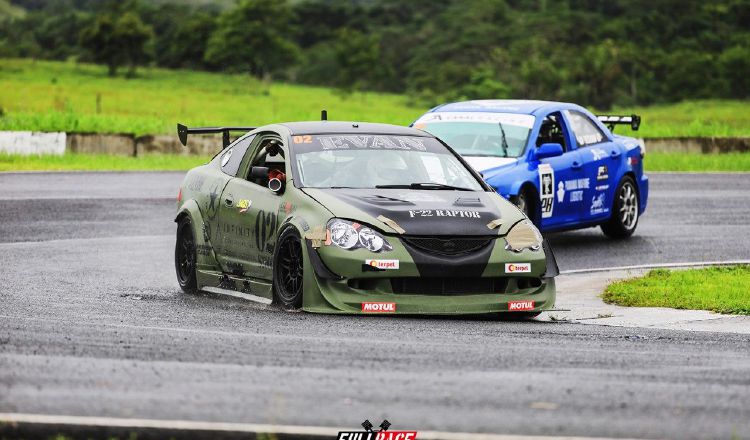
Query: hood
[
  {"x": 483, "y": 163},
  {"x": 419, "y": 212}
]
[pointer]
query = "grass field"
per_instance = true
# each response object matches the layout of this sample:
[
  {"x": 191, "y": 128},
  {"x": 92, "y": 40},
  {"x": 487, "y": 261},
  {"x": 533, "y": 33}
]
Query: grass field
[
  {"x": 99, "y": 162},
  {"x": 733, "y": 162},
  {"x": 57, "y": 96},
  {"x": 730, "y": 162},
  {"x": 719, "y": 289}
]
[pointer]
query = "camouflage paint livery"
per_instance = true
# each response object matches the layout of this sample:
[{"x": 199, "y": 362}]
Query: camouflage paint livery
[{"x": 448, "y": 251}]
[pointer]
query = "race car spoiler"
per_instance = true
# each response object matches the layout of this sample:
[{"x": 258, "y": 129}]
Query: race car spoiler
[
  {"x": 611, "y": 120},
  {"x": 183, "y": 132}
]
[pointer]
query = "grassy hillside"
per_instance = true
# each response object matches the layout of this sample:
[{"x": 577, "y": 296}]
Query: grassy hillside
[{"x": 55, "y": 96}]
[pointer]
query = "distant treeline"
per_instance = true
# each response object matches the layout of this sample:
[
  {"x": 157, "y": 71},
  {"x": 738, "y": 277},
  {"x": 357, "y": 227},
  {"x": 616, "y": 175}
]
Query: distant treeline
[{"x": 598, "y": 53}]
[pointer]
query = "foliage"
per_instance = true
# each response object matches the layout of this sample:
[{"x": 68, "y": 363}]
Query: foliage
[
  {"x": 117, "y": 38},
  {"x": 599, "y": 54},
  {"x": 719, "y": 289},
  {"x": 696, "y": 162},
  {"x": 253, "y": 37}
]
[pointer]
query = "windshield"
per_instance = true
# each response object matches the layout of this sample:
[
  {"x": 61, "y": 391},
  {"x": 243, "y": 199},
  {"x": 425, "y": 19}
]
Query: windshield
[
  {"x": 378, "y": 161},
  {"x": 480, "y": 133}
]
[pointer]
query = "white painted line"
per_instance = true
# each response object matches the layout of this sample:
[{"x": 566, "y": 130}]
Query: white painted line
[
  {"x": 657, "y": 266},
  {"x": 309, "y": 431},
  {"x": 247, "y": 296}
]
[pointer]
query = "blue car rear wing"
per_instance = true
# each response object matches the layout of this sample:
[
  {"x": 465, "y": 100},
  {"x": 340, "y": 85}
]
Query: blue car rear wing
[
  {"x": 183, "y": 132},
  {"x": 611, "y": 120}
]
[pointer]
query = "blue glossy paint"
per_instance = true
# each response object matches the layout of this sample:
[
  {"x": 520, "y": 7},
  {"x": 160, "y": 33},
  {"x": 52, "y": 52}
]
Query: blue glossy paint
[{"x": 582, "y": 195}]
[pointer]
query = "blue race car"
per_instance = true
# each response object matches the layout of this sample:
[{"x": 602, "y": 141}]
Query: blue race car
[{"x": 556, "y": 161}]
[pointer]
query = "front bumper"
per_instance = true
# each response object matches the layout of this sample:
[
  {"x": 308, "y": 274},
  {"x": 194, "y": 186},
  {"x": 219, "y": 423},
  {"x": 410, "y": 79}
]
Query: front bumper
[{"x": 337, "y": 282}]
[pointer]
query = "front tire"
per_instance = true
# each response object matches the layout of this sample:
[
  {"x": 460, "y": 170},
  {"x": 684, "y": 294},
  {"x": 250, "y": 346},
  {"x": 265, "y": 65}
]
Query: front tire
[
  {"x": 287, "y": 269},
  {"x": 185, "y": 256},
  {"x": 625, "y": 211},
  {"x": 524, "y": 201}
]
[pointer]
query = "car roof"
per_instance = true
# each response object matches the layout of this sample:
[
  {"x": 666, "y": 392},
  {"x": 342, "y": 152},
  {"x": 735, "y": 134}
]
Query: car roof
[
  {"x": 520, "y": 106},
  {"x": 342, "y": 127}
]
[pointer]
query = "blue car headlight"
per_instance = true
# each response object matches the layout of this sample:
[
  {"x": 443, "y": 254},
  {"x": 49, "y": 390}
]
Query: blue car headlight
[{"x": 351, "y": 235}]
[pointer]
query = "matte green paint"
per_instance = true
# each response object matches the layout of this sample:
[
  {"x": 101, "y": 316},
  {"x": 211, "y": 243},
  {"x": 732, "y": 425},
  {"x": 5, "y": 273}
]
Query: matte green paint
[{"x": 228, "y": 253}]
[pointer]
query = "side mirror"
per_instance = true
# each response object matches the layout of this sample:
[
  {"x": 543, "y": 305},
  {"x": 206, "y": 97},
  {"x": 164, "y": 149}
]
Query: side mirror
[
  {"x": 548, "y": 150},
  {"x": 259, "y": 172}
]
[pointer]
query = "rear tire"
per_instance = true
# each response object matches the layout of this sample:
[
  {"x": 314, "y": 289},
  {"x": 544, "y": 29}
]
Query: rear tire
[
  {"x": 625, "y": 211},
  {"x": 185, "y": 256},
  {"x": 287, "y": 269}
]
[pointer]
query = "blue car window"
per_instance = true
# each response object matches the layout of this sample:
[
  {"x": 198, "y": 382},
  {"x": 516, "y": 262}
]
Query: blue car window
[
  {"x": 585, "y": 131},
  {"x": 551, "y": 132}
]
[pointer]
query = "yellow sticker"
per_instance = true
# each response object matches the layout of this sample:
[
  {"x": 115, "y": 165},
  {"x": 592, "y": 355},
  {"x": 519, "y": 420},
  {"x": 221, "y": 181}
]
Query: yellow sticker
[{"x": 244, "y": 204}]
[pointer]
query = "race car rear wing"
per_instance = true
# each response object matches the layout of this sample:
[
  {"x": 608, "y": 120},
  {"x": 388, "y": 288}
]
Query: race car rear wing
[
  {"x": 183, "y": 132},
  {"x": 611, "y": 120}
]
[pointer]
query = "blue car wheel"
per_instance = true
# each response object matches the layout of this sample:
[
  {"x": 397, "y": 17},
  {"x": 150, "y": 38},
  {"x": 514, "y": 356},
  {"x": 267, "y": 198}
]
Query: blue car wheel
[{"x": 624, "y": 211}]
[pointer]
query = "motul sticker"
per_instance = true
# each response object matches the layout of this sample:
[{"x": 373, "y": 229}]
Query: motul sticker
[
  {"x": 382, "y": 264},
  {"x": 379, "y": 307},
  {"x": 515, "y": 306},
  {"x": 517, "y": 267}
]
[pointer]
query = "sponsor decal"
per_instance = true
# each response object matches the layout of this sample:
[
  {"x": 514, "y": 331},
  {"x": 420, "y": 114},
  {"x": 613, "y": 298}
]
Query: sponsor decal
[
  {"x": 597, "y": 204},
  {"x": 288, "y": 208},
  {"x": 520, "y": 120},
  {"x": 444, "y": 213},
  {"x": 382, "y": 434},
  {"x": 212, "y": 208},
  {"x": 517, "y": 306},
  {"x": 560, "y": 192},
  {"x": 382, "y": 264},
  {"x": 602, "y": 173},
  {"x": 598, "y": 153},
  {"x": 203, "y": 250},
  {"x": 196, "y": 183},
  {"x": 243, "y": 205},
  {"x": 379, "y": 307},
  {"x": 576, "y": 196},
  {"x": 602, "y": 187},
  {"x": 517, "y": 267},
  {"x": 375, "y": 142},
  {"x": 546, "y": 185},
  {"x": 574, "y": 184}
]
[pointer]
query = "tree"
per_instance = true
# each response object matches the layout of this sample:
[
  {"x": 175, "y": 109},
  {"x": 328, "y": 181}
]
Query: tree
[
  {"x": 254, "y": 37},
  {"x": 118, "y": 39}
]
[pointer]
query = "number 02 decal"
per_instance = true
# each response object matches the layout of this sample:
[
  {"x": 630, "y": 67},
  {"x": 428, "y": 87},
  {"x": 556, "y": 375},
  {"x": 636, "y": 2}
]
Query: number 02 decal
[{"x": 306, "y": 139}]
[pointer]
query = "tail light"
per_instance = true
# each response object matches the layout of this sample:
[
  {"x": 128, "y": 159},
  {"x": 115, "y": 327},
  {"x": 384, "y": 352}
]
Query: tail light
[{"x": 179, "y": 195}]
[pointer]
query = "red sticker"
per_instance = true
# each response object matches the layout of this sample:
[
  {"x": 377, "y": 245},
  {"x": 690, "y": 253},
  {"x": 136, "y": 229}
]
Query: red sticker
[
  {"x": 379, "y": 307},
  {"x": 515, "y": 306}
]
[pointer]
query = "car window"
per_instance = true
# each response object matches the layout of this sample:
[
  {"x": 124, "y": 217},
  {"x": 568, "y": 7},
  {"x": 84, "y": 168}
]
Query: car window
[
  {"x": 371, "y": 161},
  {"x": 551, "y": 131},
  {"x": 230, "y": 159},
  {"x": 480, "y": 133},
  {"x": 584, "y": 130}
]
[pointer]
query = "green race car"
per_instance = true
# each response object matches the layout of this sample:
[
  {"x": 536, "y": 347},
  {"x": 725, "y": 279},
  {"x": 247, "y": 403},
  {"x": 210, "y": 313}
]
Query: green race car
[{"x": 343, "y": 217}]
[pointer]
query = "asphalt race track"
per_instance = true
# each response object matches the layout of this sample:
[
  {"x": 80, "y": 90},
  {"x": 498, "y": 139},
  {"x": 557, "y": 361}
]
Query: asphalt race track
[{"x": 92, "y": 323}]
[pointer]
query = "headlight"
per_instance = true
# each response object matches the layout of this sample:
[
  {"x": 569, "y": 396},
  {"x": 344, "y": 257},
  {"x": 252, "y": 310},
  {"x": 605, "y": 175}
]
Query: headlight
[
  {"x": 349, "y": 235},
  {"x": 343, "y": 234},
  {"x": 524, "y": 235}
]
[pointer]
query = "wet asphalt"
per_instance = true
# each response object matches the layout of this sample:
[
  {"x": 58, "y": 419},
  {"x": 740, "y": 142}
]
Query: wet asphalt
[{"x": 92, "y": 323}]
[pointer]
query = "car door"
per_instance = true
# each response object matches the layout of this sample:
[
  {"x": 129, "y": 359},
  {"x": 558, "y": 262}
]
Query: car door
[
  {"x": 557, "y": 175},
  {"x": 601, "y": 160},
  {"x": 248, "y": 218}
]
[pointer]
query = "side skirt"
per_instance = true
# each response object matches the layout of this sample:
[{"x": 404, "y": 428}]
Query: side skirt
[{"x": 239, "y": 287}]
